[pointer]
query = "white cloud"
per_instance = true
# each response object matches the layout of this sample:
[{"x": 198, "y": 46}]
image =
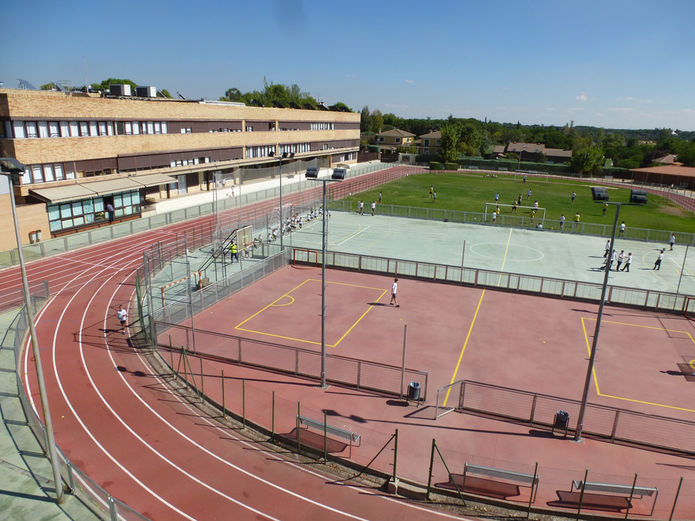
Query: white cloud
[
  {"x": 409, "y": 81},
  {"x": 582, "y": 97}
]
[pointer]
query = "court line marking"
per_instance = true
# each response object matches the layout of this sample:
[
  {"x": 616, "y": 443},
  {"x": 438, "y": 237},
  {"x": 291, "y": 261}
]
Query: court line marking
[
  {"x": 470, "y": 328},
  {"x": 352, "y": 235},
  {"x": 599, "y": 393},
  {"x": 313, "y": 342}
]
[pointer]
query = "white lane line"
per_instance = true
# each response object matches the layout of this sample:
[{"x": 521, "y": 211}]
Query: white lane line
[{"x": 351, "y": 236}]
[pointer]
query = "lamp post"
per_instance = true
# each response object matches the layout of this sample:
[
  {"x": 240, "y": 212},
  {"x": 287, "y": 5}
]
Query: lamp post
[
  {"x": 602, "y": 199},
  {"x": 285, "y": 155},
  {"x": 12, "y": 168},
  {"x": 312, "y": 175}
]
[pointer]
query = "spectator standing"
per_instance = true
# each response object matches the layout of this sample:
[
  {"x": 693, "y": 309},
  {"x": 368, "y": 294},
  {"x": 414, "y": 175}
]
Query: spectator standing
[
  {"x": 110, "y": 211},
  {"x": 659, "y": 258},
  {"x": 374, "y": 206},
  {"x": 672, "y": 241},
  {"x": 622, "y": 229}
]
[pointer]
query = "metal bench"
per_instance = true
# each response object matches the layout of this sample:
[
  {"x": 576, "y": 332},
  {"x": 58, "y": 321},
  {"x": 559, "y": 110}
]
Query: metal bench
[
  {"x": 516, "y": 478},
  {"x": 352, "y": 437},
  {"x": 612, "y": 491}
]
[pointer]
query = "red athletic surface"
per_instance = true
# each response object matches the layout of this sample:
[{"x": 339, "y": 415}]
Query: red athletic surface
[{"x": 121, "y": 425}]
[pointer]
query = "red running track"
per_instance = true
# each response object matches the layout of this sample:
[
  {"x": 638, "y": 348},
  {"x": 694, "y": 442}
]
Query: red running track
[{"x": 119, "y": 422}]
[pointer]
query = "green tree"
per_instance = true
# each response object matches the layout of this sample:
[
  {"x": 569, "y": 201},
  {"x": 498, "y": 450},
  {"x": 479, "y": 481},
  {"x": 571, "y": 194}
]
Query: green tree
[
  {"x": 449, "y": 144},
  {"x": 587, "y": 160},
  {"x": 48, "y": 86},
  {"x": 377, "y": 122},
  {"x": 365, "y": 123}
]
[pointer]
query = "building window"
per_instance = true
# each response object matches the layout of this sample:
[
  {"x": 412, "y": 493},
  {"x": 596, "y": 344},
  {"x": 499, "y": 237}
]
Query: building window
[
  {"x": 31, "y": 129},
  {"x": 19, "y": 132}
]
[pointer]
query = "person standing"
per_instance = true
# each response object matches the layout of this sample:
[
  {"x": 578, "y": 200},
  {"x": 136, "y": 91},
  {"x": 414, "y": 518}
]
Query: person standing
[
  {"x": 110, "y": 211},
  {"x": 672, "y": 241},
  {"x": 608, "y": 248},
  {"x": 573, "y": 196},
  {"x": 622, "y": 229},
  {"x": 621, "y": 258},
  {"x": 233, "y": 252},
  {"x": 528, "y": 194},
  {"x": 431, "y": 191},
  {"x": 122, "y": 315},
  {"x": 497, "y": 197},
  {"x": 379, "y": 197},
  {"x": 494, "y": 216},
  {"x": 605, "y": 207},
  {"x": 434, "y": 195},
  {"x": 524, "y": 178},
  {"x": 394, "y": 290},
  {"x": 360, "y": 205},
  {"x": 628, "y": 261},
  {"x": 657, "y": 264},
  {"x": 374, "y": 206},
  {"x": 562, "y": 221}
]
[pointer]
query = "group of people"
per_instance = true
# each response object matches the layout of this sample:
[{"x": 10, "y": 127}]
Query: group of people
[
  {"x": 360, "y": 206},
  {"x": 620, "y": 259}
]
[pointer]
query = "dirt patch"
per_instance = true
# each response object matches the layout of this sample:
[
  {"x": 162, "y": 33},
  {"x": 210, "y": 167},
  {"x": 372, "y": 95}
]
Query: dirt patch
[{"x": 674, "y": 210}]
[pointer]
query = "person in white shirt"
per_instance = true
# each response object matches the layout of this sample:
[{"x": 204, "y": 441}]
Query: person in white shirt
[
  {"x": 657, "y": 264},
  {"x": 608, "y": 248},
  {"x": 672, "y": 241},
  {"x": 373, "y": 207},
  {"x": 622, "y": 229},
  {"x": 621, "y": 258},
  {"x": 122, "y": 315},
  {"x": 394, "y": 290},
  {"x": 628, "y": 261}
]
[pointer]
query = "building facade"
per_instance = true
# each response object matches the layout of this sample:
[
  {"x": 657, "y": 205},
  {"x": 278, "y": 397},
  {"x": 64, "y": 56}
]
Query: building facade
[{"x": 91, "y": 160}]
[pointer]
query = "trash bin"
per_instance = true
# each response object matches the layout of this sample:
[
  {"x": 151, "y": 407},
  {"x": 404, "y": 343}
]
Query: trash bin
[
  {"x": 414, "y": 391},
  {"x": 561, "y": 421}
]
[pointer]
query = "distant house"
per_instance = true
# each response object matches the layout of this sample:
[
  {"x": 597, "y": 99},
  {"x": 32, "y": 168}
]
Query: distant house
[
  {"x": 429, "y": 143},
  {"x": 669, "y": 159},
  {"x": 395, "y": 138},
  {"x": 678, "y": 176},
  {"x": 535, "y": 152}
]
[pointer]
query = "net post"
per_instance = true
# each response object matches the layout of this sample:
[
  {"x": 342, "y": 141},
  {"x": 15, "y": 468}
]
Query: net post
[
  {"x": 224, "y": 408},
  {"x": 243, "y": 402}
]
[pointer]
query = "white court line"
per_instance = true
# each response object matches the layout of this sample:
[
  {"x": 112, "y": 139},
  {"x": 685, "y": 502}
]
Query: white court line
[{"x": 355, "y": 234}]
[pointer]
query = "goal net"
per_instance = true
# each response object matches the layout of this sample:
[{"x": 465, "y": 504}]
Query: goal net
[{"x": 513, "y": 209}]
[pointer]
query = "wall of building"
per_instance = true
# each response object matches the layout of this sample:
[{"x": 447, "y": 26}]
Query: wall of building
[{"x": 31, "y": 218}]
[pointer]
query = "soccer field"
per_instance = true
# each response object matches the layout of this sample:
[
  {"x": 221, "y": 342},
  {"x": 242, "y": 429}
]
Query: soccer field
[{"x": 470, "y": 192}]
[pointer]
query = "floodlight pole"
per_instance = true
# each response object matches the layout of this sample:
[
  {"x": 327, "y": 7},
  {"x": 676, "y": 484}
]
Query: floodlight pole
[
  {"x": 282, "y": 226},
  {"x": 50, "y": 438},
  {"x": 324, "y": 211},
  {"x": 594, "y": 343}
]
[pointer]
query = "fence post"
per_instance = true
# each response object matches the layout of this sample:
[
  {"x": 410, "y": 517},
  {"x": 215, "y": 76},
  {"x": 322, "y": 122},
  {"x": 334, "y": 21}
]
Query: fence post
[
  {"x": 202, "y": 381},
  {"x": 113, "y": 511},
  {"x": 325, "y": 437},
  {"x": 395, "y": 457},
  {"x": 581, "y": 493},
  {"x": 243, "y": 402},
  {"x": 429, "y": 474},
  {"x": 533, "y": 484},
  {"x": 224, "y": 408},
  {"x": 299, "y": 443},
  {"x": 632, "y": 492},
  {"x": 675, "y": 499},
  {"x": 272, "y": 417}
]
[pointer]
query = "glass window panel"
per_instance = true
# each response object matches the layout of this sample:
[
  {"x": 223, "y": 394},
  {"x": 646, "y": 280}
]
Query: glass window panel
[
  {"x": 126, "y": 199},
  {"x": 98, "y": 205},
  {"x": 117, "y": 200},
  {"x": 109, "y": 126},
  {"x": 48, "y": 172},
  {"x": 53, "y": 212},
  {"x": 136, "y": 208},
  {"x": 119, "y": 212},
  {"x": 26, "y": 178},
  {"x": 18, "y": 129},
  {"x": 164, "y": 127},
  {"x": 93, "y": 128},
  {"x": 58, "y": 168},
  {"x": 77, "y": 221},
  {"x": 55, "y": 225},
  {"x": 64, "y": 129},
  {"x": 102, "y": 128},
  {"x": 128, "y": 210},
  {"x": 128, "y": 128},
  {"x": 84, "y": 128},
  {"x": 136, "y": 127},
  {"x": 54, "y": 129},
  {"x": 135, "y": 197},
  {"x": 67, "y": 223},
  {"x": 31, "y": 129},
  {"x": 157, "y": 127},
  {"x": 89, "y": 218},
  {"x": 65, "y": 210},
  {"x": 70, "y": 174},
  {"x": 77, "y": 208},
  {"x": 88, "y": 206},
  {"x": 74, "y": 129},
  {"x": 150, "y": 127},
  {"x": 37, "y": 173}
]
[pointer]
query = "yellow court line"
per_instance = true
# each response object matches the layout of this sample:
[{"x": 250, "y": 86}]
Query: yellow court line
[
  {"x": 647, "y": 403},
  {"x": 463, "y": 348},
  {"x": 238, "y": 326},
  {"x": 506, "y": 251},
  {"x": 343, "y": 284},
  {"x": 647, "y": 327},
  {"x": 285, "y": 304},
  {"x": 588, "y": 348},
  {"x": 358, "y": 320}
]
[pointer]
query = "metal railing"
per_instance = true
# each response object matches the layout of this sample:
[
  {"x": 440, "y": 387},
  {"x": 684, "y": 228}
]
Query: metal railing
[
  {"x": 80, "y": 484},
  {"x": 572, "y": 289},
  {"x": 606, "y": 422}
]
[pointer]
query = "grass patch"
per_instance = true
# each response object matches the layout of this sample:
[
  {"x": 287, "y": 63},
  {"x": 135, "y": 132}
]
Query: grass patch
[{"x": 469, "y": 192}]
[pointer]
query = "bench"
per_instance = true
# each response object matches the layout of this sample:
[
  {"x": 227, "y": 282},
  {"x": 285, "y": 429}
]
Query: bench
[
  {"x": 610, "y": 496},
  {"x": 350, "y": 436},
  {"x": 490, "y": 484}
]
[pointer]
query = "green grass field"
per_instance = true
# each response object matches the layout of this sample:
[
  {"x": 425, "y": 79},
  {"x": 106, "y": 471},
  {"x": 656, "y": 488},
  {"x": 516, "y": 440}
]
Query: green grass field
[{"x": 469, "y": 192}]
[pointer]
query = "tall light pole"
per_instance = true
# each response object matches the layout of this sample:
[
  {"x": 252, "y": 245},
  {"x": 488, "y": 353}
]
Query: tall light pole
[
  {"x": 312, "y": 175},
  {"x": 12, "y": 168},
  {"x": 285, "y": 155},
  {"x": 635, "y": 198}
]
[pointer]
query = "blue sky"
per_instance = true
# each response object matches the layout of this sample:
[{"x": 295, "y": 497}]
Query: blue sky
[{"x": 609, "y": 63}]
